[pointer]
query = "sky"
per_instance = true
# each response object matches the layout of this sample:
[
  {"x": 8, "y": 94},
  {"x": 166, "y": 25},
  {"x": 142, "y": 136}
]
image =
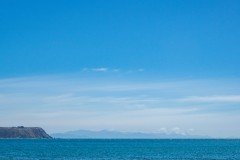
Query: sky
[{"x": 165, "y": 66}]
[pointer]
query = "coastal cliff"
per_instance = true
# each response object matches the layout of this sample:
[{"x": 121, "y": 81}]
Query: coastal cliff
[{"x": 23, "y": 132}]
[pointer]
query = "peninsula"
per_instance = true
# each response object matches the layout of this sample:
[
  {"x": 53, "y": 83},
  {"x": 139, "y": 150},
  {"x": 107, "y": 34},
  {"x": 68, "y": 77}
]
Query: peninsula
[{"x": 23, "y": 132}]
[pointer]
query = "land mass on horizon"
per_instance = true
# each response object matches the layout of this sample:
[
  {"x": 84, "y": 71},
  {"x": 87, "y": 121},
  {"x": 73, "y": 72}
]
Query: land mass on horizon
[
  {"x": 107, "y": 134},
  {"x": 23, "y": 132}
]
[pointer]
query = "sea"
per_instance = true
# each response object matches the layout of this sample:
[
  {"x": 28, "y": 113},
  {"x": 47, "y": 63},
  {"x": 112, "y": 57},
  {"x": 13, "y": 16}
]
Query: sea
[{"x": 119, "y": 149}]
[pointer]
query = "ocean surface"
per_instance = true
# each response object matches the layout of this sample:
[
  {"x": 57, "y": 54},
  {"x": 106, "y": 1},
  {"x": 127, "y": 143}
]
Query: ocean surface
[{"x": 96, "y": 149}]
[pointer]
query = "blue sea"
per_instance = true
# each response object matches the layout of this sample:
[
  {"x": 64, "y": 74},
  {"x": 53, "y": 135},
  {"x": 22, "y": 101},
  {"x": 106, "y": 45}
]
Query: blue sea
[{"x": 122, "y": 149}]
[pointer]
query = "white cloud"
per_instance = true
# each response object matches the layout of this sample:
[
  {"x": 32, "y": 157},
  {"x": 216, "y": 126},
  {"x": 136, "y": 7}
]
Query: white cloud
[
  {"x": 163, "y": 130},
  {"x": 176, "y": 130},
  {"x": 114, "y": 70},
  {"x": 102, "y": 69}
]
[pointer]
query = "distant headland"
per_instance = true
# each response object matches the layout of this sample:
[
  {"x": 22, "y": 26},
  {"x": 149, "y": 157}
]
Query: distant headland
[{"x": 23, "y": 132}]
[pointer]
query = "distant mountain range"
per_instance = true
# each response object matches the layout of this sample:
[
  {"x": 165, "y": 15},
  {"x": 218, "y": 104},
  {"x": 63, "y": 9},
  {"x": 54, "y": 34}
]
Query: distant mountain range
[{"x": 106, "y": 134}]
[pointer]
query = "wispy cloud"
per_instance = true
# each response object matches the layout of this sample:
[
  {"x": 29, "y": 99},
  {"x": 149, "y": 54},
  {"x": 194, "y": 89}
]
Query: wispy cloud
[
  {"x": 100, "y": 69},
  {"x": 122, "y": 105},
  {"x": 106, "y": 69},
  {"x": 213, "y": 99}
]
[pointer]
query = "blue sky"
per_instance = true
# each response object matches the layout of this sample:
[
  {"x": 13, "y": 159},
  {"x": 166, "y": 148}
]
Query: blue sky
[{"x": 124, "y": 65}]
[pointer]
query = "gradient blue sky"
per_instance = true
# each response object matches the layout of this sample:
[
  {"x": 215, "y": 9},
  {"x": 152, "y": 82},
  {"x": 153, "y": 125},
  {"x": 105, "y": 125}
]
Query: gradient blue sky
[{"x": 130, "y": 65}]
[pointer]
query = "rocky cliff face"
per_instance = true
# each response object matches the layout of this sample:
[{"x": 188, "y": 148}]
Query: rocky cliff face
[{"x": 23, "y": 132}]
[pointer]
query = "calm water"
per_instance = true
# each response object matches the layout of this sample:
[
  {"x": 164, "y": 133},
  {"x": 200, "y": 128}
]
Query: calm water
[{"x": 57, "y": 149}]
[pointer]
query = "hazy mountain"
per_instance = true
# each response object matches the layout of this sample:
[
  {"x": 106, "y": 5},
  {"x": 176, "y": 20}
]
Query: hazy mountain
[{"x": 106, "y": 134}]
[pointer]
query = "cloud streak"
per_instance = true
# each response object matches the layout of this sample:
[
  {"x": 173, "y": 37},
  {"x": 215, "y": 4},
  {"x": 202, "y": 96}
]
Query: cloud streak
[
  {"x": 213, "y": 99},
  {"x": 100, "y": 69},
  {"x": 111, "y": 70}
]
